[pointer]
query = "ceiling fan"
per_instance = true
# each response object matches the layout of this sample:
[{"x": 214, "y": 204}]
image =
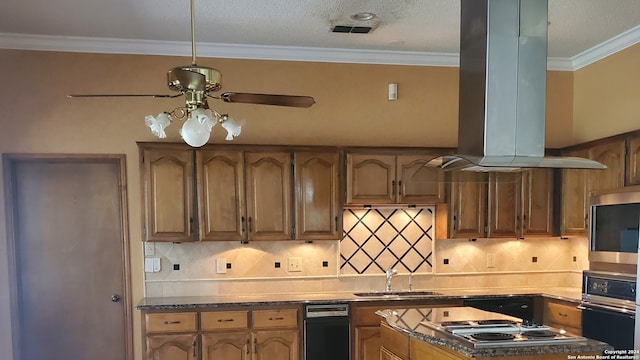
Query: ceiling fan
[{"x": 197, "y": 83}]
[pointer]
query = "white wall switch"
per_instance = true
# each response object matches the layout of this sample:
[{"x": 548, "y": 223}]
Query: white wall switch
[
  {"x": 221, "y": 266},
  {"x": 151, "y": 264},
  {"x": 491, "y": 260},
  {"x": 295, "y": 264}
]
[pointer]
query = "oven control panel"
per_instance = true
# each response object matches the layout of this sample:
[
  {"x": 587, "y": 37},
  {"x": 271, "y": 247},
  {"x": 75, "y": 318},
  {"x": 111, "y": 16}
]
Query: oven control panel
[{"x": 610, "y": 286}]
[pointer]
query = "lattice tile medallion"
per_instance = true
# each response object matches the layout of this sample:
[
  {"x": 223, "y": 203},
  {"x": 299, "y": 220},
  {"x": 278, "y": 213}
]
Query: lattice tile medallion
[{"x": 375, "y": 239}]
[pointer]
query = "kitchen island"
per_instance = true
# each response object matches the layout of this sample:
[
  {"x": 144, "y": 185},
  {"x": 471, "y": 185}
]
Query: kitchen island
[{"x": 417, "y": 333}]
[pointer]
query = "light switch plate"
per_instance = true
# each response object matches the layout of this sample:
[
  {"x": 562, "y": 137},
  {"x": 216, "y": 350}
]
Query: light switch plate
[
  {"x": 221, "y": 266},
  {"x": 294, "y": 264},
  {"x": 152, "y": 264},
  {"x": 491, "y": 260}
]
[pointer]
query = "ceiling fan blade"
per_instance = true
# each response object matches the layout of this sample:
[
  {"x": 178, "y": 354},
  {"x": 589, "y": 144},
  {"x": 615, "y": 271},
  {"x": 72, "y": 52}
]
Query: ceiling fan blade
[
  {"x": 122, "y": 95},
  {"x": 268, "y": 99}
]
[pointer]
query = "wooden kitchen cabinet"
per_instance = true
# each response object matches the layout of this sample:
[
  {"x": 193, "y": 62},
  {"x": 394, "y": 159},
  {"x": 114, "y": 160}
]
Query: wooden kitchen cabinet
[
  {"x": 222, "y": 203},
  {"x": 501, "y": 204},
  {"x": 574, "y": 199},
  {"x": 467, "y": 204},
  {"x": 389, "y": 178},
  {"x": 611, "y": 154},
  {"x": 268, "y": 186},
  {"x": 171, "y": 336},
  {"x": 366, "y": 342},
  {"x": 317, "y": 193},
  {"x": 633, "y": 161},
  {"x": 168, "y": 185},
  {"x": 563, "y": 315},
  {"x": 255, "y": 334}
]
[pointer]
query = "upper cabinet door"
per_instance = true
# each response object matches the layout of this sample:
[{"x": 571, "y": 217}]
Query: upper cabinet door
[
  {"x": 169, "y": 195},
  {"x": 418, "y": 184},
  {"x": 633, "y": 161},
  {"x": 220, "y": 177},
  {"x": 318, "y": 208},
  {"x": 504, "y": 204},
  {"x": 613, "y": 156},
  {"x": 371, "y": 179},
  {"x": 574, "y": 199},
  {"x": 537, "y": 209},
  {"x": 268, "y": 183},
  {"x": 468, "y": 204}
]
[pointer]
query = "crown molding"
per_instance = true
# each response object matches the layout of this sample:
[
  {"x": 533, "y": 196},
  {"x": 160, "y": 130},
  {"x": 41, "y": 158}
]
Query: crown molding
[
  {"x": 607, "y": 48},
  {"x": 288, "y": 53}
]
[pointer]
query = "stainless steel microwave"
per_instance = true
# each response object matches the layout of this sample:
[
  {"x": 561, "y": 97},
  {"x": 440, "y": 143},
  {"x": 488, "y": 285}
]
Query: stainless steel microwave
[{"x": 614, "y": 223}]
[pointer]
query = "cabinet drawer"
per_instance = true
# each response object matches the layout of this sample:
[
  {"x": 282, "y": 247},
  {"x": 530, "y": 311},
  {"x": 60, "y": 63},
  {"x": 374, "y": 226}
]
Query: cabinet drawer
[
  {"x": 170, "y": 322},
  {"x": 394, "y": 342},
  {"x": 222, "y": 320},
  {"x": 564, "y": 314},
  {"x": 275, "y": 318}
]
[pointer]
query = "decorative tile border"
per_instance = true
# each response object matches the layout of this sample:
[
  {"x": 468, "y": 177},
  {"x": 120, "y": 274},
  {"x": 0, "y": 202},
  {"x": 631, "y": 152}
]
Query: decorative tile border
[{"x": 376, "y": 239}]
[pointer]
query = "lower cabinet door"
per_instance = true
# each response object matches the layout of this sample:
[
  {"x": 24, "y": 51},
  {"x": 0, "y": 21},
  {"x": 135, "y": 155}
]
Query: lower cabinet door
[
  {"x": 367, "y": 343},
  {"x": 226, "y": 346},
  {"x": 276, "y": 345},
  {"x": 172, "y": 347}
]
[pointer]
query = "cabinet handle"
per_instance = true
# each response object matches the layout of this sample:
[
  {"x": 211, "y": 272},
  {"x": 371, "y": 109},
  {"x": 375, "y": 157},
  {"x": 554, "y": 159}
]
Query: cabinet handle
[
  {"x": 193, "y": 346},
  {"x": 172, "y": 322},
  {"x": 393, "y": 186},
  {"x": 336, "y": 219},
  {"x": 248, "y": 346},
  {"x": 586, "y": 220},
  {"x": 242, "y": 222},
  {"x": 400, "y": 188},
  {"x": 276, "y": 318},
  {"x": 225, "y": 320},
  {"x": 563, "y": 315},
  {"x": 249, "y": 223},
  {"x": 454, "y": 223},
  {"x": 255, "y": 345},
  {"x": 190, "y": 225}
]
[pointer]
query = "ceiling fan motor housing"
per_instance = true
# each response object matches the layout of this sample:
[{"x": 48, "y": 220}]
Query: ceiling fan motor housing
[{"x": 194, "y": 78}]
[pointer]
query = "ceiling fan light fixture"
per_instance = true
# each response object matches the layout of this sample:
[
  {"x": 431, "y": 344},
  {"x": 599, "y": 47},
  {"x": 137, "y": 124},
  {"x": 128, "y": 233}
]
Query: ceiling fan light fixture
[
  {"x": 232, "y": 126},
  {"x": 158, "y": 124},
  {"x": 197, "y": 129}
]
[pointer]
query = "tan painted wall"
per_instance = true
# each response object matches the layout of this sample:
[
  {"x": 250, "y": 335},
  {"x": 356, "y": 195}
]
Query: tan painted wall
[
  {"x": 607, "y": 96},
  {"x": 352, "y": 109}
]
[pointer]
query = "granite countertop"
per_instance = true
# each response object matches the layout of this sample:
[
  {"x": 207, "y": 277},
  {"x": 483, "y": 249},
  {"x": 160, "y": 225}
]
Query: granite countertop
[
  {"x": 204, "y": 302},
  {"x": 409, "y": 321}
]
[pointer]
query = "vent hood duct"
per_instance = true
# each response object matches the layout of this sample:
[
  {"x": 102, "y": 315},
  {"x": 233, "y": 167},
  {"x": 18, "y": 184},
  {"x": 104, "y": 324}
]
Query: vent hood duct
[{"x": 503, "y": 67}]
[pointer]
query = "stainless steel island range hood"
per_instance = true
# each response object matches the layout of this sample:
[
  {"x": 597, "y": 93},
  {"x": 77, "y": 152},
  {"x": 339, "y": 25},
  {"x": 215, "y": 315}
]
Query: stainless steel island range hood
[{"x": 503, "y": 67}]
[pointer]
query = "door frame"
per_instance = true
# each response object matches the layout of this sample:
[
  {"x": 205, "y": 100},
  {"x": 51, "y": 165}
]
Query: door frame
[{"x": 9, "y": 160}]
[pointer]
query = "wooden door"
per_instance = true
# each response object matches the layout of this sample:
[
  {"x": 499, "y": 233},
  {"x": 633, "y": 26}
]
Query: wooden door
[
  {"x": 468, "y": 206},
  {"x": 220, "y": 177},
  {"x": 226, "y": 346},
  {"x": 169, "y": 193},
  {"x": 371, "y": 179},
  {"x": 505, "y": 192},
  {"x": 268, "y": 182},
  {"x": 276, "y": 345},
  {"x": 172, "y": 347},
  {"x": 318, "y": 207},
  {"x": 633, "y": 161},
  {"x": 367, "y": 343},
  {"x": 69, "y": 257},
  {"x": 613, "y": 156},
  {"x": 574, "y": 199},
  {"x": 418, "y": 184},
  {"x": 537, "y": 192}
]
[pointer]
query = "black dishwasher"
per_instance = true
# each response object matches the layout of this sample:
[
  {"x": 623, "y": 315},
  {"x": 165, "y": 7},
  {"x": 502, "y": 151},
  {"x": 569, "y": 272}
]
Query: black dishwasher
[
  {"x": 516, "y": 306},
  {"x": 326, "y": 332}
]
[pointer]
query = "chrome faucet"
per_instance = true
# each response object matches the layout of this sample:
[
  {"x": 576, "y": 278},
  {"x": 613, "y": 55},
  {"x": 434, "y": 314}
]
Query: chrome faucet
[{"x": 390, "y": 272}]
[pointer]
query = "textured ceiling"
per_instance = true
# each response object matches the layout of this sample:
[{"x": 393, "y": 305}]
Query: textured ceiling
[{"x": 401, "y": 25}]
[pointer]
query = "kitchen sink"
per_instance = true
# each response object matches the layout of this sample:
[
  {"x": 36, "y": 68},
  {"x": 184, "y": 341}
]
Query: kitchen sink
[{"x": 400, "y": 293}]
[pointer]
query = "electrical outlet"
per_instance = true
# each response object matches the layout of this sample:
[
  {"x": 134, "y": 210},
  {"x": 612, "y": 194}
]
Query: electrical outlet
[
  {"x": 221, "y": 266},
  {"x": 294, "y": 264},
  {"x": 491, "y": 260}
]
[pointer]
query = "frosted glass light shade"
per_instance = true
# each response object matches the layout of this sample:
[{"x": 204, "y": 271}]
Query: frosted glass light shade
[
  {"x": 197, "y": 129},
  {"x": 157, "y": 124},
  {"x": 232, "y": 126}
]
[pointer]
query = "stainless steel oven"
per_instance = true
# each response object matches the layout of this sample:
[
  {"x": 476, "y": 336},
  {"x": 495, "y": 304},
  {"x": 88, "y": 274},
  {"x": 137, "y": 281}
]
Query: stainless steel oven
[
  {"x": 609, "y": 308},
  {"x": 614, "y": 222}
]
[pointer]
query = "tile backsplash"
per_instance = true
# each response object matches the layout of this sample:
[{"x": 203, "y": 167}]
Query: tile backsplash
[{"x": 374, "y": 239}]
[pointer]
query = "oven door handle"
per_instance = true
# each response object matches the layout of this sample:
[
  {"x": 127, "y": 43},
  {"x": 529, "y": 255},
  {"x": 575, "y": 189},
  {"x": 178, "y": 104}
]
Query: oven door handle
[{"x": 589, "y": 306}]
